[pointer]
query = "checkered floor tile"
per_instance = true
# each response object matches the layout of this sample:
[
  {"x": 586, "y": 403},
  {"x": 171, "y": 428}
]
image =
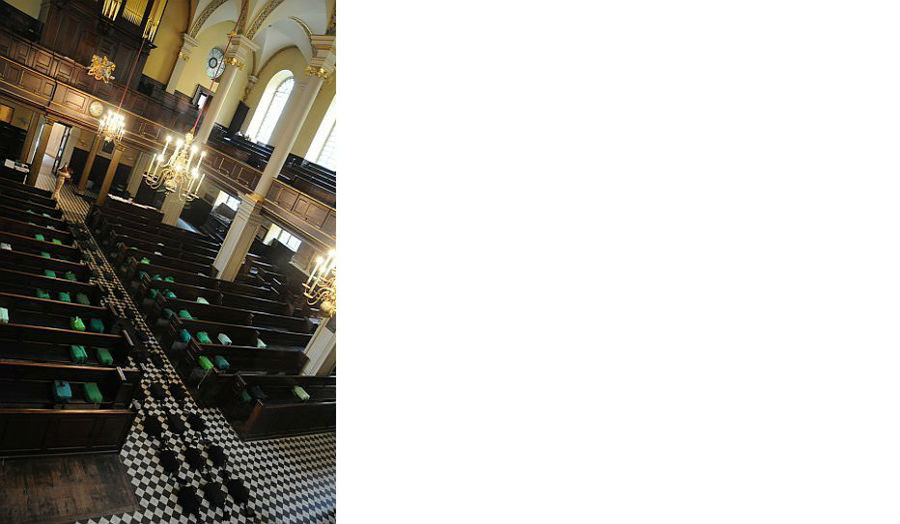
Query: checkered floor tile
[{"x": 290, "y": 480}]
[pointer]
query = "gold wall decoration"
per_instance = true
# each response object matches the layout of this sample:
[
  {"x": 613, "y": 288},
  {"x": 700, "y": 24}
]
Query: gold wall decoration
[
  {"x": 319, "y": 72},
  {"x": 184, "y": 56},
  {"x": 101, "y": 69},
  {"x": 235, "y": 61}
]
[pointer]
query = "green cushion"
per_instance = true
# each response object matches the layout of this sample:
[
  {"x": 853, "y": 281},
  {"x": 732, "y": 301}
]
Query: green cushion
[
  {"x": 83, "y": 299},
  {"x": 245, "y": 397},
  {"x": 142, "y": 274},
  {"x": 300, "y": 393},
  {"x": 78, "y": 353},
  {"x": 260, "y": 344},
  {"x": 223, "y": 339},
  {"x": 183, "y": 313},
  {"x": 57, "y": 241},
  {"x": 97, "y": 326},
  {"x": 203, "y": 337},
  {"x": 45, "y": 254},
  {"x": 46, "y": 215},
  {"x": 104, "y": 357},
  {"x": 145, "y": 260},
  {"x": 71, "y": 276},
  {"x": 62, "y": 391},
  {"x": 257, "y": 393},
  {"x": 202, "y": 300},
  {"x": 39, "y": 237},
  {"x": 92, "y": 393},
  {"x": 221, "y": 363},
  {"x": 157, "y": 277},
  {"x": 168, "y": 294},
  {"x": 42, "y": 294},
  {"x": 4, "y": 315},
  {"x": 153, "y": 292},
  {"x": 76, "y": 323},
  {"x": 204, "y": 363},
  {"x": 167, "y": 313},
  {"x": 184, "y": 336},
  {"x": 65, "y": 296},
  {"x": 49, "y": 273},
  {"x": 169, "y": 278}
]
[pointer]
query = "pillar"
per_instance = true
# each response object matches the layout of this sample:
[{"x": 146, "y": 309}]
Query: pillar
[
  {"x": 35, "y": 170},
  {"x": 137, "y": 173},
  {"x": 28, "y": 145},
  {"x": 110, "y": 174},
  {"x": 188, "y": 45},
  {"x": 70, "y": 146},
  {"x": 86, "y": 172},
  {"x": 171, "y": 209},
  {"x": 239, "y": 238},
  {"x": 322, "y": 349},
  {"x": 238, "y": 54}
]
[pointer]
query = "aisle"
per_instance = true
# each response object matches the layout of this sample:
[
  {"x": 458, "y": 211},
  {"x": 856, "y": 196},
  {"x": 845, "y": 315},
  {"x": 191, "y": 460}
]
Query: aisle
[{"x": 291, "y": 480}]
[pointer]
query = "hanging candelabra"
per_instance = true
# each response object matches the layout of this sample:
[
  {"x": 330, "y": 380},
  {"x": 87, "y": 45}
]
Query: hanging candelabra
[
  {"x": 320, "y": 288},
  {"x": 175, "y": 174}
]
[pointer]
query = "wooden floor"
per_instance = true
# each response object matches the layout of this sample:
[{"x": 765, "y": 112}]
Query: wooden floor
[{"x": 55, "y": 490}]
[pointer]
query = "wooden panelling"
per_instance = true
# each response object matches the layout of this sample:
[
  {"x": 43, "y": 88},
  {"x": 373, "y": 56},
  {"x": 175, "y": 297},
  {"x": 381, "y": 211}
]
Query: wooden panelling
[{"x": 75, "y": 101}]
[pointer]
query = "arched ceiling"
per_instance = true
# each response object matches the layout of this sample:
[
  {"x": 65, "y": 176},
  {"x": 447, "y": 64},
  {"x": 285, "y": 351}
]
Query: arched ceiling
[{"x": 271, "y": 24}]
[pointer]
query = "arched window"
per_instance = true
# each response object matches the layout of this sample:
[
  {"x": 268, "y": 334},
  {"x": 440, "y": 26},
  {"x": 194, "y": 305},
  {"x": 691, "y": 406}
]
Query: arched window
[
  {"x": 270, "y": 107},
  {"x": 322, "y": 149}
]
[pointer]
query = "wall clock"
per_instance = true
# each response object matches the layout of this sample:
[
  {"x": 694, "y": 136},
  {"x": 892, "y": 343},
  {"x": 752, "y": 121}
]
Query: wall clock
[
  {"x": 95, "y": 109},
  {"x": 215, "y": 64}
]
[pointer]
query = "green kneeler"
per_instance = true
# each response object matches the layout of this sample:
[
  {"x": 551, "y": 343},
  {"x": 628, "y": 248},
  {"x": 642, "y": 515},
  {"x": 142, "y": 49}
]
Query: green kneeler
[
  {"x": 92, "y": 393},
  {"x": 49, "y": 273},
  {"x": 83, "y": 299},
  {"x": 57, "y": 241},
  {"x": 45, "y": 254},
  {"x": 300, "y": 393},
  {"x": 185, "y": 314},
  {"x": 221, "y": 363},
  {"x": 168, "y": 294},
  {"x": 97, "y": 325},
  {"x": 145, "y": 260},
  {"x": 76, "y": 323},
  {"x": 45, "y": 215},
  {"x": 201, "y": 300},
  {"x": 204, "y": 362},
  {"x": 42, "y": 294},
  {"x": 65, "y": 296},
  {"x": 39, "y": 237},
  {"x": 71, "y": 276},
  {"x": 167, "y": 313},
  {"x": 104, "y": 357},
  {"x": 4, "y": 315},
  {"x": 169, "y": 278},
  {"x": 257, "y": 393},
  {"x": 260, "y": 344},
  {"x": 79, "y": 354},
  {"x": 203, "y": 337},
  {"x": 142, "y": 274},
  {"x": 157, "y": 277},
  {"x": 62, "y": 391},
  {"x": 153, "y": 293},
  {"x": 245, "y": 397},
  {"x": 224, "y": 339},
  {"x": 184, "y": 336}
]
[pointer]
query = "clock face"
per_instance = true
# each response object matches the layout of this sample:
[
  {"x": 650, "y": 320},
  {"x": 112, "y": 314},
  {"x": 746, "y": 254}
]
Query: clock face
[
  {"x": 96, "y": 109},
  {"x": 215, "y": 64}
]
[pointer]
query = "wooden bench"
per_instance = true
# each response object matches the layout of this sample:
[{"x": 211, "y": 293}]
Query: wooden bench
[
  {"x": 27, "y": 284},
  {"x": 281, "y": 414},
  {"x": 240, "y": 335},
  {"x": 229, "y": 315}
]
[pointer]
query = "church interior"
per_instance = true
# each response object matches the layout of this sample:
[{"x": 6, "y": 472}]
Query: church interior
[{"x": 167, "y": 261}]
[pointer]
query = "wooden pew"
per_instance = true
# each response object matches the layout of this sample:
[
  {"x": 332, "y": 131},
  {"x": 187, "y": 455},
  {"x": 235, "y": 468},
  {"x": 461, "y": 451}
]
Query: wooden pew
[
  {"x": 281, "y": 414},
  {"x": 117, "y": 233},
  {"x": 119, "y": 250},
  {"x": 29, "y": 244},
  {"x": 11, "y": 193},
  {"x": 31, "y": 422},
  {"x": 170, "y": 262},
  {"x": 229, "y": 315},
  {"x": 28, "y": 215},
  {"x": 36, "y": 264},
  {"x": 24, "y": 283},
  {"x": 29, "y": 189},
  {"x": 99, "y": 215},
  {"x": 22, "y": 227},
  {"x": 240, "y": 335}
]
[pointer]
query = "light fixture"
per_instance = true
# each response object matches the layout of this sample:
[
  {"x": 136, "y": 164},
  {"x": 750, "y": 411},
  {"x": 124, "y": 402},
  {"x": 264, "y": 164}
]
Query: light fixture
[
  {"x": 320, "y": 287},
  {"x": 112, "y": 126},
  {"x": 111, "y": 8},
  {"x": 101, "y": 68},
  {"x": 175, "y": 174}
]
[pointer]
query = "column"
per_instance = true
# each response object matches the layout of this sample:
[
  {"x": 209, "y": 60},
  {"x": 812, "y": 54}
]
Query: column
[
  {"x": 70, "y": 146},
  {"x": 322, "y": 349},
  {"x": 35, "y": 170},
  {"x": 239, "y": 238},
  {"x": 33, "y": 126},
  {"x": 293, "y": 117},
  {"x": 110, "y": 174},
  {"x": 171, "y": 209},
  {"x": 188, "y": 45},
  {"x": 86, "y": 172},
  {"x": 137, "y": 173},
  {"x": 238, "y": 55}
]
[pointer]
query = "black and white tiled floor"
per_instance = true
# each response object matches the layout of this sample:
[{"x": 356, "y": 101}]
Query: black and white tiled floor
[{"x": 291, "y": 480}]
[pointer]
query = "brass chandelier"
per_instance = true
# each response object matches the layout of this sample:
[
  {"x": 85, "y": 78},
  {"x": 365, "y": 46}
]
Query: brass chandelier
[
  {"x": 175, "y": 174},
  {"x": 320, "y": 288},
  {"x": 112, "y": 126}
]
